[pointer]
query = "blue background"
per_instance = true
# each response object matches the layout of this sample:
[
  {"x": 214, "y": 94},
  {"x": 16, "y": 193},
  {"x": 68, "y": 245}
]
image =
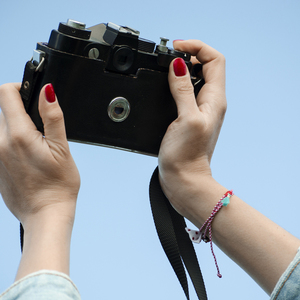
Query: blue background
[{"x": 115, "y": 251}]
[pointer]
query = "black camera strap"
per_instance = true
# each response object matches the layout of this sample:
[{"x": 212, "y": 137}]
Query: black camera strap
[
  {"x": 175, "y": 241},
  {"x": 30, "y": 77}
]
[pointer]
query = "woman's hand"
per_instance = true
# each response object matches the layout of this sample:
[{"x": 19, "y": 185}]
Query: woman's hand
[
  {"x": 189, "y": 142},
  {"x": 39, "y": 181},
  {"x": 185, "y": 175},
  {"x": 37, "y": 173}
]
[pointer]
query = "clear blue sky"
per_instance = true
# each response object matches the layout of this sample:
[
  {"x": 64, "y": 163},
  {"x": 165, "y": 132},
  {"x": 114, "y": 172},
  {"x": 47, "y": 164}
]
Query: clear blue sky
[{"x": 115, "y": 251}]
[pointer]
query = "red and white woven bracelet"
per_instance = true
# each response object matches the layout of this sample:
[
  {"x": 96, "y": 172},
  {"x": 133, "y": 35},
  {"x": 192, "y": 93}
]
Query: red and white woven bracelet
[{"x": 198, "y": 235}]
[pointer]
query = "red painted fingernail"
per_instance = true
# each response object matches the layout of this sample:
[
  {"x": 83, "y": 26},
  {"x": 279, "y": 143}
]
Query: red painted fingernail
[
  {"x": 50, "y": 94},
  {"x": 179, "y": 67},
  {"x": 179, "y": 40}
]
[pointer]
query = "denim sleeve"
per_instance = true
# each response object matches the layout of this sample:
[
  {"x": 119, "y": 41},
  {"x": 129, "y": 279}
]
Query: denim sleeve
[
  {"x": 42, "y": 285},
  {"x": 288, "y": 286}
]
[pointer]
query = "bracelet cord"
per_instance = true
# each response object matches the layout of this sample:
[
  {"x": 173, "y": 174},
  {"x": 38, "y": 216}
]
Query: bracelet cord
[{"x": 205, "y": 232}]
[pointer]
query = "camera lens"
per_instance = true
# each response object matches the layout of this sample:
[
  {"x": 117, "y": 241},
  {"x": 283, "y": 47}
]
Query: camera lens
[
  {"x": 118, "y": 109},
  {"x": 123, "y": 59}
]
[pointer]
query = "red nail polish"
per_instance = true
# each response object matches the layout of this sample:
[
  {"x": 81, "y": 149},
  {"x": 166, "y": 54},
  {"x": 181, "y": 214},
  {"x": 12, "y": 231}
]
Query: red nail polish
[
  {"x": 179, "y": 40},
  {"x": 50, "y": 94},
  {"x": 179, "y": 67}
]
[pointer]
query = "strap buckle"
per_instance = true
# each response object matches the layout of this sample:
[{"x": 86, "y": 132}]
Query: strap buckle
[
  {"x": 33, "y": 69},
  {"x": 38, "y": 59}
]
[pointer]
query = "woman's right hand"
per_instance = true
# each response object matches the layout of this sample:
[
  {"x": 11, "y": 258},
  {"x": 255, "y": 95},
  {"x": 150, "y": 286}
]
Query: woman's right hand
[
  {"x": 266, "y": 250},
  {"x": 188, "y": 145}
]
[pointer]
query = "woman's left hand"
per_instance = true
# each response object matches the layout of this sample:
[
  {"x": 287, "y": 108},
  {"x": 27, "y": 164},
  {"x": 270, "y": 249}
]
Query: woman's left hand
[{"x": 37, "y": 173}]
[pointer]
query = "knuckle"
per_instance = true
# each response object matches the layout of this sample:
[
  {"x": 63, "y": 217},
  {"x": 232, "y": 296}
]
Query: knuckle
[
  {"x": 2, "y": 150},
  {"x": 55, "y": 116},
  {"x": 223, "y": 107},
  {"x": 18, "y": 138},
  {"x": 12, "y": 144},
  {"x": 4, "y": 88},
  {"x": 184, "y": 87},
  {"x": 221, "y": 59}
]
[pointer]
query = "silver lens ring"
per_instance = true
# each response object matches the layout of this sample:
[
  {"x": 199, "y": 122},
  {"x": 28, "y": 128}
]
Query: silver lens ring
[{"x": 118, "y": 109}]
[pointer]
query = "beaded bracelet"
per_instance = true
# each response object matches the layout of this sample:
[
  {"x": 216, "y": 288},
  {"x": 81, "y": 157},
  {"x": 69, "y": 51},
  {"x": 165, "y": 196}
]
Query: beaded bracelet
[{"x": 198, "y": 235}]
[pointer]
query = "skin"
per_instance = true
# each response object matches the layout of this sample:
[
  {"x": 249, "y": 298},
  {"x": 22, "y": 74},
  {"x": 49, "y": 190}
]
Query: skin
[
  {"x": 39, "y": 181},
  {"x": 266, "y": 250}
]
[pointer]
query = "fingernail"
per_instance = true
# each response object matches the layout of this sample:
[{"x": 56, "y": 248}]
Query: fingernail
[
  {"x": 179, "y": 67},
  {"x": 50, "y": 94},
  {"x": 179, "y": 40}
]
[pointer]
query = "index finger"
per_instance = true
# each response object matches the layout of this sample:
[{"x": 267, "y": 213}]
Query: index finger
[{"x": 11, "y": 104}]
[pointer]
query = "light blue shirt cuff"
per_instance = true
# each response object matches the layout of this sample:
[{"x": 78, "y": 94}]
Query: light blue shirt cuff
[
  {"x": 44, "y": 285},
  {"x": 288, "y": 286}
]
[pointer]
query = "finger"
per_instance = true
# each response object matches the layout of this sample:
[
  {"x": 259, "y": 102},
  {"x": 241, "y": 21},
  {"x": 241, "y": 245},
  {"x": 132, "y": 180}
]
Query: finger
[
  {"x": 52, "y": 116},
  {"x": 212, "y": 60},
  {"x": 181, "y": 87},
  {"x": 213, "y": 70},
  {"x": 12, "y": 105},
  {"x": 194, "y": 60}
]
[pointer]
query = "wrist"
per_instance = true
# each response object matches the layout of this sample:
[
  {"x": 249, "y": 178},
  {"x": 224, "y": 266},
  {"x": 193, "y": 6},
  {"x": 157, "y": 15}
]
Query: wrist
[
  {"x": 60, "y": 211},
  {"x": 47, "y": 239},
  {"x": 193, "y": 194}
]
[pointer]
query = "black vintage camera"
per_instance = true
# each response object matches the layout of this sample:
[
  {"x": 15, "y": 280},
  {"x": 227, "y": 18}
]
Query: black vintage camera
[{"x": 111, "y": 84}]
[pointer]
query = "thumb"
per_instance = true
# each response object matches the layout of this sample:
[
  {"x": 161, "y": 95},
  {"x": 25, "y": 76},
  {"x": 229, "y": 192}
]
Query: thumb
[
  {"x": 52, "y": 116},
  {"x": 181, "y": 87}
]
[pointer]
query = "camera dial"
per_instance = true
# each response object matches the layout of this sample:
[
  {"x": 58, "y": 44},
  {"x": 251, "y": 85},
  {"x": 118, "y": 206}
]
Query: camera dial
[{"x": 75, "y": 29}]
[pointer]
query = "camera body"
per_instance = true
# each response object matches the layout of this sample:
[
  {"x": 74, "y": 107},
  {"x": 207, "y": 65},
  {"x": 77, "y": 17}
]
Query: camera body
[{"x": 111, "y": 84}]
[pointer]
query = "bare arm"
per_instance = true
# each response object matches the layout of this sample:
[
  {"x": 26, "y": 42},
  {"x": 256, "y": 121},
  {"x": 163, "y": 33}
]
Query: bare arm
[{"x": 258, "y": 245}]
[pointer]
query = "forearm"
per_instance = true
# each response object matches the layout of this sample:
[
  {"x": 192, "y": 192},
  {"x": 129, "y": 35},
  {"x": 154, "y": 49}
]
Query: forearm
[
  {"x": 46, "y": 246},
  {"x": 262, "y": 248}
]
